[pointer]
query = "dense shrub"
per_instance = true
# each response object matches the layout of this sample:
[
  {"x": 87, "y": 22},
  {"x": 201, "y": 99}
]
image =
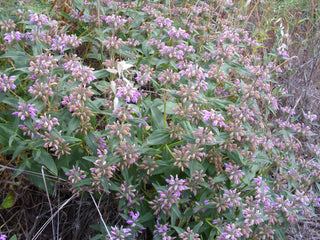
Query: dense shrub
[{"x": 168, "y": 107}]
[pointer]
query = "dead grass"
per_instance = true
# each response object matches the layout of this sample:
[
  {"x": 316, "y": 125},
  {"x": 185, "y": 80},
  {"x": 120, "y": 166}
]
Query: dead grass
[
  {"x": 299, "y": 22},
  {"x": 31, "y": 210}
]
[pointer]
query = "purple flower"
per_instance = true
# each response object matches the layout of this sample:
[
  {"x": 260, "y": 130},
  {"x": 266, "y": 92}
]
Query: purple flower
[
  {"x": 178, "y": 33},
  {"x": 63, "y": 41},
  {"x": 231, "y": 232},
  {"x": 75, "y": 175},
  {"x": 129, "y": 193},
  {"x": 9, "y": 37},
  {"x": 162, "y": 230},
  {"x": 3, "y": 237},
  {"x": 6, "y": 83},
  {"x": 46, "y": 122},
  {"x": 144, "y": 119},
  {"x": 134, "y": 217},
  {"x": 176, "y": 184},
  {"x": 215, "y": 118},
  {"x": 26, "y": 110},
  {"x": 38, "y": 19},
  {"x": 235, "y": 172},
  {"x": 129, "y": 93},
  {"x": 311, "y": 117},
  {"x": 161, "y": 21},
  {"x": 120, "y": 233}
]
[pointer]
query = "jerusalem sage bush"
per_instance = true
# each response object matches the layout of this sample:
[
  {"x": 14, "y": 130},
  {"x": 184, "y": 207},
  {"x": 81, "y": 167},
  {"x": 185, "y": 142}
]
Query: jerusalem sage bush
[{"x": 167, "y": 107}]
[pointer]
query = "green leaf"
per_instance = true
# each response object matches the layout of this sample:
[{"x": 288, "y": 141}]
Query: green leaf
[
  {"x": 14, "y": 237},
  {"x": 82, "y": 182},
  {"x": 19, "y": 57},
  {"x": 178, "y": 229},
  {"x": 21, "y": 147},
  {"x": 145, "y": 48},
  {"x": 240, "y": 69},
  {"x": 193, "y": 166},
  {"x": 280, "y": 233},
  {"x": 218, "y": 103},
  {"x": 161, "y": 61},
  {"x": 197, "y": 227},
  {"x": 175, "y": 211},
  {"x": 37, "y": 48},
  {"x": 45, "y": 159},
  {"x": 157, "y": 117},
  {"x": 236, "y": 156},
  {"x": 186, "y": 125},
  {"x": 11, "y": 139},
  {"x": 101, "y": 73},
  {"x": 71, "y": 140},
  {"x": 220, "y": 178},
  {"x": 13, "y": 102},
  {"x": 139, "y": 18},
  {"x": 6, "y": 130},
  {"x": 91, "y": 143},
  {"x": 169, "y": 107},
  {"x": 9, "y": 201},
  {"x": 90, "y": 158},
  {"x": 158, "y": 137}
]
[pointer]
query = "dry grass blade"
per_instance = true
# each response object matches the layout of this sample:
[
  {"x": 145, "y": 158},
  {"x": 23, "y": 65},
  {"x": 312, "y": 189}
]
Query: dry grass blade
[
  {"x": 52, "y": 178},
  {"x": 48, "y": 197},
  {"x": 52, "y": 216},
  {"x": 104, "y": 224}
]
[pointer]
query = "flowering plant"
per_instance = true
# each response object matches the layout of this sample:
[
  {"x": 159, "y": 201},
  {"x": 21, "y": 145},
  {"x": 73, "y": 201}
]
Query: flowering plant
[{"x": 166, "y": 108}]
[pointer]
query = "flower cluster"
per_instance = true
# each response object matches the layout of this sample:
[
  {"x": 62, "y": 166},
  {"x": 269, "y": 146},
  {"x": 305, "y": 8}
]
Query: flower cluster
[
  {"x": 26, "y": 110},
  {"x": 38, "y": 19},
  {"x": 75, "y": 175},
  {"x": 7, "y": 83}
]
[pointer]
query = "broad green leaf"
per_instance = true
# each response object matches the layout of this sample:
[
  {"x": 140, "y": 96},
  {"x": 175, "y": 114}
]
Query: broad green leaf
[
  {"x": 236, "y": 156},
  {"x": 38, "y": 48},
  {"x": 220, "y": 178},
  {"x": 73, "y": 124},
  {"x": 240, "y": 69},
  {"x": 14, "y": 237},
  {"x": 161, "y": 61},
  {"x": 45, "y": 159},
  {"x": 169, "y": 107},
  {"x": 21, "y": 147},
  {"x": 101, "y": 73},
  {"x": 137, "y": 20},
  {"x": 175, "y": 211},
  {"x": 9, "y": 201},
  {"x": 197, "y": 227},
  {"x": 218, "y": 103},
  {"x": 18, "y": 56},
  {"x": 158, "y": 137},
  {"x": 145, "y": 48},
  {"x": 178, "y": 229},
  {"x": 157, "y": 118},
  {"x": 70, "y": 139},
  {"x": 6, "y": 130},
  {"x": 91, "y": 143},
  {"x": 13, "y": 102},
  {"x": 193, "y": 166},
  {"x": 90, "y": 158},
  {"x": 82, "y": 182}
]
